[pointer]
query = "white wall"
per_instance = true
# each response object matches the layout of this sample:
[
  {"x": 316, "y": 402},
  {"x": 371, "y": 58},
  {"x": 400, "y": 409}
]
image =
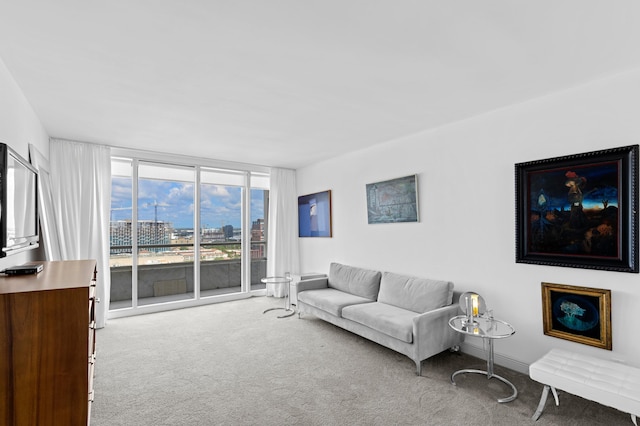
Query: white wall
[
  {"x": 466, "y": 232},
  {"x": 19, "y": 126}
]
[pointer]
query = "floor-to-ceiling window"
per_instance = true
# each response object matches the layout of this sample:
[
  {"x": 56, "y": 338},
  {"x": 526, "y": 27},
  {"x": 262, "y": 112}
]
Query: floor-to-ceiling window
[
  {"x": 185, "y": 233},
  {"x": 121, "y": 234},
  {"x": 221, "y": 208},
  {"x": 165, "y": 229}
]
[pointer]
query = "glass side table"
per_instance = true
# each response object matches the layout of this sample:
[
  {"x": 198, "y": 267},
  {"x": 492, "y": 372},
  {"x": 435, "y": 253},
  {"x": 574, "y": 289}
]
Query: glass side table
[
  {"x": 284, "y": 281},
  {"x": 489, "y": 329}
]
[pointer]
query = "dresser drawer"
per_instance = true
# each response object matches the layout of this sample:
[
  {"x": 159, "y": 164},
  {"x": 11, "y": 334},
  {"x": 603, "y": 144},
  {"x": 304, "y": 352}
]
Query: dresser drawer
[{"x": 48, "y": 359}]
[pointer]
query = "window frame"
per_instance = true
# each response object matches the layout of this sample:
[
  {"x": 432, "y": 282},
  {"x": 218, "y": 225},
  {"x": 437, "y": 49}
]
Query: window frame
[{"x": 247, "y": 171}]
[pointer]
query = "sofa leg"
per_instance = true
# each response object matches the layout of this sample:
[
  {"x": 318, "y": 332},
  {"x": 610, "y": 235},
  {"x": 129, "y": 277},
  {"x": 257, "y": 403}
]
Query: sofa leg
[{"x": 419, "y": 368}]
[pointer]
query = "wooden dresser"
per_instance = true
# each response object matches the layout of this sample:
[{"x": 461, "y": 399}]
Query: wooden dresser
[{"x": 47, "y": 345}]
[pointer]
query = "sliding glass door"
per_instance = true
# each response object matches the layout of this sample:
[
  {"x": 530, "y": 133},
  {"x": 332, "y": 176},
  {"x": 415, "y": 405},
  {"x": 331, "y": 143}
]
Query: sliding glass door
[
  {"x": 178, "y": 233},
  {"x": 165, "y": 233},
  {"x": 220, "y": 231}
]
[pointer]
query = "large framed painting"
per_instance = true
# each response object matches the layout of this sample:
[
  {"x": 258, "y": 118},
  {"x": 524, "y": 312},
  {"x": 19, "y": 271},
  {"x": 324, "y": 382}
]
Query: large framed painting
[
  {"x": 314, "y": 215},
  {"x": 579, "y": 210},
  {"x": 394, "y": 200},
  {"x": 579, "y": 314}
]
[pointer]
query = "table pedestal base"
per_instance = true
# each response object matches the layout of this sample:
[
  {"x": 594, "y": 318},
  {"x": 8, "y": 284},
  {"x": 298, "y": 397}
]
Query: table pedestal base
[
  {"x": 489, "y": 376},
  {"x": 287, "y": 302},
  {"x": 281, "y": 316}
]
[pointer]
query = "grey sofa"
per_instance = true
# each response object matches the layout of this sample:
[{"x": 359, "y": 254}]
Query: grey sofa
[{"x": 407, "y": 314}]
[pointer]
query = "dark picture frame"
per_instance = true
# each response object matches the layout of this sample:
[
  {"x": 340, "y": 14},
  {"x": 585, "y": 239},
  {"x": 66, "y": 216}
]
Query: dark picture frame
[
  {"x": 579, "y": 210},
  {"x": 393, "y": 201},
  {"x": 578, "y": 314},
  {"x": 314, "y": 215}
]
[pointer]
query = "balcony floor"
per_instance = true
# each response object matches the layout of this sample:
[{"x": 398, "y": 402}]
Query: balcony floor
[{"x": 126, "y": 304}]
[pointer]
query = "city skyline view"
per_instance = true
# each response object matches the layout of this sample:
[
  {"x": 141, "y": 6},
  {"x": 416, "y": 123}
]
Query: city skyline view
[{"x": 174, "y": 202}]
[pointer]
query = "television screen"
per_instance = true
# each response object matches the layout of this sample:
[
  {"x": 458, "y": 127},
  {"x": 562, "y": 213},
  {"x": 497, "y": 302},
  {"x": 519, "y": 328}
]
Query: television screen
[{"x": 19, "y": 215}]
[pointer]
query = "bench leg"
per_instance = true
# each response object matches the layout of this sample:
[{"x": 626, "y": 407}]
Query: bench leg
[
  {"x": 633, "y": 419},
  {"x": 543, "y": 401},
  {"x": 555, "y": 395},
  {"x": 541, "y": 404}
]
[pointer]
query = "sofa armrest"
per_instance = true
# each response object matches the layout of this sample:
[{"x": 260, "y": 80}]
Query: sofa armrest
[
  {"x": 312, "y": 284},
  {"x": 456, "y": 301},
  {"x": 432, "y": 332}
]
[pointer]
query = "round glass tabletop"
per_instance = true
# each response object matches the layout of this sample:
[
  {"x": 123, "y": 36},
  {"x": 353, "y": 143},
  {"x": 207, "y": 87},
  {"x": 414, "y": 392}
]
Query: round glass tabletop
[
  {"x": 276, "y": 280},
  {"x": 483, "y": 327}
]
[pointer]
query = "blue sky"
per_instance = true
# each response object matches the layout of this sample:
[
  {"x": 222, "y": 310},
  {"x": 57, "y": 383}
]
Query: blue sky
[{"x": 220, "y": 205}]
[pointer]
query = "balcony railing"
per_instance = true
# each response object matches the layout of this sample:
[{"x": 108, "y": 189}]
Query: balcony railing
[{"x": 168, "y": 275}]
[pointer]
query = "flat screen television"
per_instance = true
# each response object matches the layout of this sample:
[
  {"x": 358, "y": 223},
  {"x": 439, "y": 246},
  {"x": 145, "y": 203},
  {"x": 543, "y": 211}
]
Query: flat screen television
[{"x": 19, "y": 230}]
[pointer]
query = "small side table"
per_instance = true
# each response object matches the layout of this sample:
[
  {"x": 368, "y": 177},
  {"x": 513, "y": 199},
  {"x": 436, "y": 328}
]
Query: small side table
[
  {"x": 287, "y": 305},
  {"x": 488, "y": 329}
]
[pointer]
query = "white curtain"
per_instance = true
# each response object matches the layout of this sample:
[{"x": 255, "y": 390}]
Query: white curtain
[
  {"x": 81, "y": 191},
  {"x": 46, "y": 209},
  {"x": 282, "y": 239}
]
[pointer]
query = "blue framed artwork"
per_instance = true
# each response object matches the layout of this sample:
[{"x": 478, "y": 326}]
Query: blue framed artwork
[
  {"x": 394, "y": 200},
  {"x": 579, "y": 314},
  {"x": 579, "y": 210},
  {"x": 314, "y": 215}
]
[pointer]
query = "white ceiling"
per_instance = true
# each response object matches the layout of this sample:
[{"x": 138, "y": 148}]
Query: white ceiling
[{"x": 290, "y": 82}]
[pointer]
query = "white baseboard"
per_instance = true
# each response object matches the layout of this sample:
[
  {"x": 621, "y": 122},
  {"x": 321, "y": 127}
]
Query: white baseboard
[{"x": 498, "y": 359}]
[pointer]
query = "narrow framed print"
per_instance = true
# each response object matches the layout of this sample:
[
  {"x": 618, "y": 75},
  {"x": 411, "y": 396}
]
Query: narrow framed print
[
  {"x": 314, "y": 215},
  {"x": 579, "y": 210},
  {"x": 579, "y": 314}
]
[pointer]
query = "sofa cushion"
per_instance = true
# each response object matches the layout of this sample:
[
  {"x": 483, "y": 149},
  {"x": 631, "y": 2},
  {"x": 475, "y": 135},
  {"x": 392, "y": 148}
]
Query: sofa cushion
[
  {"x": 416, "y": 294},
  {"x": 330, "y": 300},
  {"x": 361, "y": 282},
  {"x": 387, "y": 319}
]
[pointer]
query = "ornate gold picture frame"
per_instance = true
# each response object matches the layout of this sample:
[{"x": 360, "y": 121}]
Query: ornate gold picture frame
[{"x": 579, "y": 314}]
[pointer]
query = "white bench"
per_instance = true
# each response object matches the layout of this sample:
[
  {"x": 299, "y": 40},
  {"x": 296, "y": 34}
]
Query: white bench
[{"x": 609, "y": 383}]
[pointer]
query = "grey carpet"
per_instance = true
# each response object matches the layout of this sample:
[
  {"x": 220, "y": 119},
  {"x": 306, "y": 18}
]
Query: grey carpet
[{"x": 230, "y": 364}]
